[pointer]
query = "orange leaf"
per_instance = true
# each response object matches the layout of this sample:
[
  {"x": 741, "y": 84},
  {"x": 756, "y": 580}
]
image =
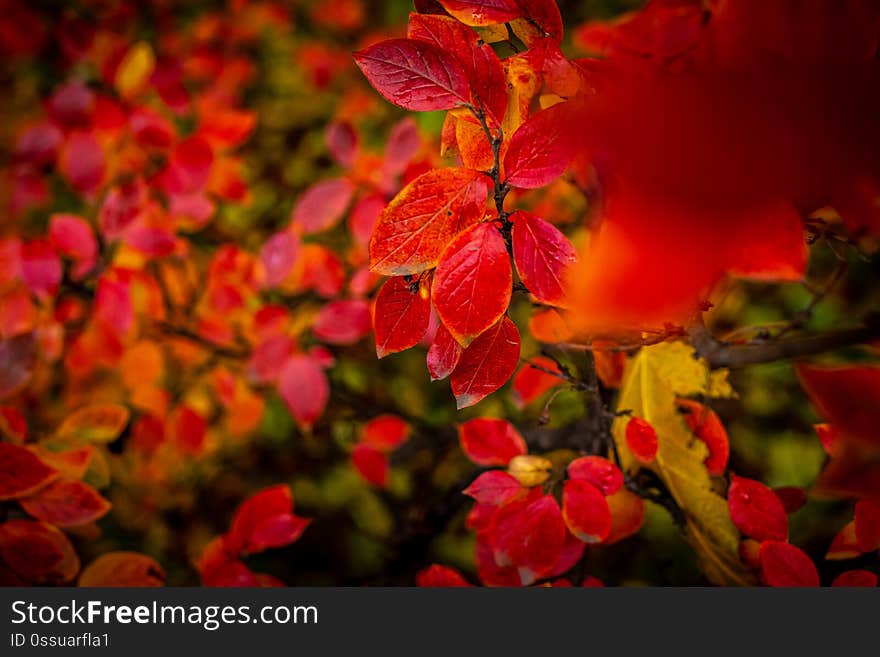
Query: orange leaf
[
  {"x": 127, "y": 569},
  {"x": 421, "y": 220}
]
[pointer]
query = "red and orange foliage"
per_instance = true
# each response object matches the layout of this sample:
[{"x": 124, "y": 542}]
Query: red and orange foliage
[{"x": 200, "y": 207}]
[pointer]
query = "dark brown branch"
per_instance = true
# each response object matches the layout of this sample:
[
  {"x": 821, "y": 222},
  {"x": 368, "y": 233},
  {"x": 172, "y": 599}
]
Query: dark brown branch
[{"x": 724, "y": 354}]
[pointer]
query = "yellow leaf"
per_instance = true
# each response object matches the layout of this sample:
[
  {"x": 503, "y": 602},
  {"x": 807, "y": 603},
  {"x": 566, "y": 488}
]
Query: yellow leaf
[
  {"x": 653, "y": 379},
  {"x": 529, "y": 470},
  {"x": 135, "y": 69},
  {"x": 522, "y": 86},
  {"x": 99, "y": 423}
]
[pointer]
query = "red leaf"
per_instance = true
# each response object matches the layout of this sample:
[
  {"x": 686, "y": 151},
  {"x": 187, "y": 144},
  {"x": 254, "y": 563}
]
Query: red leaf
[
  {"x": 17, "y": 358},
  {"x": 371, "y": 463},
  {"x": 188, "y": 429},
  {"x": 600, "y": 472},
  {"x": 276, "y": 532},
  {"x": 488, "y": 441},
  {"x": 530, "y": 538},
  {"x": 483, "y": 12},
  {"x": 342, "y": 322},
  {"x": 847, "y": 397},
  {"x": 72, "y": 236},
  {"x": 585, "y": 511},
  {"x": 443, "y": 354},
  {"x": 868, "y": 524},
  {"x": 706, "y": 426},
  {"x": 22, "y": 473},
  {"x": 544, "y": 13},
  {"x": 71, "y": 105},
  {"x": 472, "y": 282},
  {"x": 750, "y": 553},
  {"x": 403, "y": 144},
  {"x": 322, "y": 205},
  {"x": 783, "y": 564},
  {"x": 756, "y": 510},
  {"x": 37, "y": 552},
  {"x": 414, "y": 75},
  {"x": 480, "y": 63},
  {"x": 189, "y": 166},
  {"x": 851, "y": 578},
  {"x": 530, "y": 383},
  {"x": 542, "y": 255},
  {"x": 364, "y": 216},
  {"x": 641, "y": 439},
  {"x": 82, "y": 162},
  {"x": 386, "y": 432},
  {"x": 122, "y": 569},
  {"x": 12, "y": 424},
  {"x": 486, "y": 364},
  {"x": 303, "y": 387},
  {"x": 265, "y": 520},
  {"x": 400, "y": 316},
  {"x": 792, "y": 498},
  {"x": 342, "y": 142},
  {"x": 495, "y": 488},
  {"x": 66, "y": 504},
  {"x": 845, "y": 544},
  {"x": 40, "y": 267},
  {"x": 278, "y": 256},
  {"x": 539, "y": 151},
  {"x": 627, "y": 515},
  {"x": 436, "y": 575},
  {"x": 420, "y": 221},
  {"x": 829, "y": 436}
]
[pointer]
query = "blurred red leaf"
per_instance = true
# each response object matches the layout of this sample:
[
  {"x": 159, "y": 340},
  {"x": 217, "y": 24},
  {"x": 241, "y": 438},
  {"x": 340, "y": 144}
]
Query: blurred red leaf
[
  {"x": 600, "y": 472},
  {"x": 867, "y": 524},
  {"x": 641, "y": 439},
  {"x": 37, "y": 552},
  {"x": 489, "y": 441},
  {"x": 265, "y": 520},
  {"x": 530, "y": 383},
  {"x": 585, "y": 511},
  {"x": 850, "y": 578},
  {"x": 847, "y": 397},
  {"x": 627, "y": 515},
  {"x": 342, "y": 322},
  {"x": 495, "y": 488},
  {"x": 706, "y": 425},
  {"x": 40, "y": 267},
  {"x": 72, "y": 236},
  {"x": 371, "y": 463},
  {"x": 322, "y": 205},
  {"x": 436, "y": 575},
  {"x": 66, "y": 504},
  {"x": 127, "y": 569},
  {"x": 756, "y": 510},
  {"x": 792, "y": 498},
  {"x": 386, "y": 432},
  {"x": 303, "y": 387},
  {"x": 531, "y": 537},
  {"x": 784, "y": 565},
  {"x": 21, "y": 472},
  {"x": 845, "y": 544},
  {"x": 342, "y": 142},
  {"x": 278, "y": 256}
]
